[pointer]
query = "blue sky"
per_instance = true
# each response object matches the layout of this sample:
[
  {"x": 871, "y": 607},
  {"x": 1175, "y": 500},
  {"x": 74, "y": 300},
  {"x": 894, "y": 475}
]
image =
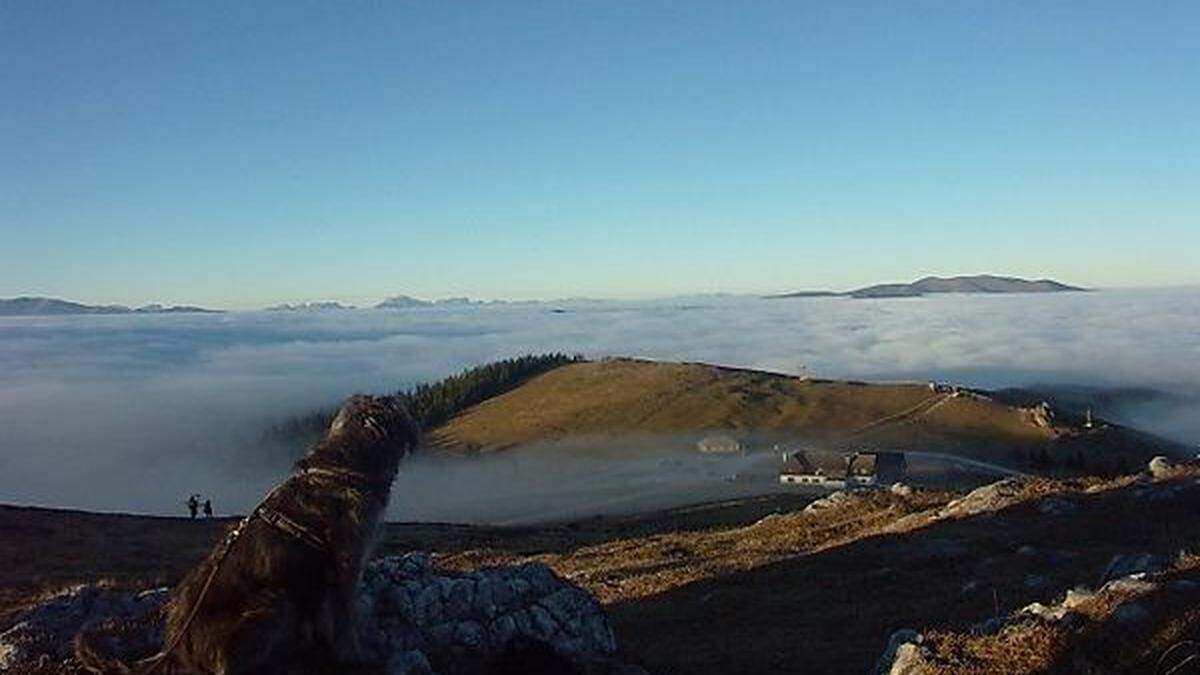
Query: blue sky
[{"x": 244, "y": 153}]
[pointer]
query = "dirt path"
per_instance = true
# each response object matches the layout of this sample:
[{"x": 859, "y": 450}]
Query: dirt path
[{"x": 908, "y": 413}]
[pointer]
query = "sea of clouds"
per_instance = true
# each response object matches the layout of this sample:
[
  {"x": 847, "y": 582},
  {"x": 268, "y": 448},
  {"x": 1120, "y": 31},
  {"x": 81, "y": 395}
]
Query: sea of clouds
[{"x": 135, "y": 412}]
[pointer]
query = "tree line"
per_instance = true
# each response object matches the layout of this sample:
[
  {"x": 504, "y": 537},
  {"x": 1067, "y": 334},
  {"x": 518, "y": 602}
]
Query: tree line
[{"x": 434, "y": 404}]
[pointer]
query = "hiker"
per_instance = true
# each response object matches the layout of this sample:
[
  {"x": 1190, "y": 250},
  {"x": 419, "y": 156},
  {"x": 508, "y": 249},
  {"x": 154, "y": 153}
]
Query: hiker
[
  {"x": 193, "y": 504},
  {"x": 208, "y": 508}
]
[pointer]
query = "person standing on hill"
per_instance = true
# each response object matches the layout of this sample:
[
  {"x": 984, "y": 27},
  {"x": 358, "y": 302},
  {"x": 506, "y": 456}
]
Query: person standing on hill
[
  {"x": 208, "y": 508},
  {"x": 193, "y": 504}
]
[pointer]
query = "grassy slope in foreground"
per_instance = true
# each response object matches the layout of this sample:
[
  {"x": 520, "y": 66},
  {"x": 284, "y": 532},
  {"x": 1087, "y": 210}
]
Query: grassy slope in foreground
[
  {"x": 724, "y": 589},
  {"x": 626, "y": 396}
]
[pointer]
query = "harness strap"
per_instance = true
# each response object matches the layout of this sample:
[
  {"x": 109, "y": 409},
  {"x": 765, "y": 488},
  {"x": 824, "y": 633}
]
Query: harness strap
[{"x": 292, "y": 528}]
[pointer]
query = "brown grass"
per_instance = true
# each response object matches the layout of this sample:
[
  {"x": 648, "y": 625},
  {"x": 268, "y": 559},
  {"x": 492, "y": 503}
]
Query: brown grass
[
  {"x": 756, "y": 586},
  {"x": 625, "y": 396}
]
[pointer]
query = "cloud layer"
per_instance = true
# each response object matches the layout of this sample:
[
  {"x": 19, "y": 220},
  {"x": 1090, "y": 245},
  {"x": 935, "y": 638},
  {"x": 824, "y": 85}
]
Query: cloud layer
[{"x": 135, "y": 412}]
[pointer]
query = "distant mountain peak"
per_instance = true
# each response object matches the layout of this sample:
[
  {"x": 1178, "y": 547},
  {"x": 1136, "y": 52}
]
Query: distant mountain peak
[
  {"x": 402, "y": 302},
  {"x": 975, "y": 283}
]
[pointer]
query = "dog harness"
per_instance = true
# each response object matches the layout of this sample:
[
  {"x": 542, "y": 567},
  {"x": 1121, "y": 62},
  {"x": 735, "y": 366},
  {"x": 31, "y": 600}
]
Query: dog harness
[{"x": 352, "y": 481}]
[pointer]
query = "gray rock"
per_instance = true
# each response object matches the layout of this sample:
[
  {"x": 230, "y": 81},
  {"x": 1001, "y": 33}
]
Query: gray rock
[
  {"x": 1050, "y": 614},
  {"x": 600, "y": 631},
  {"x": 503, "y": 594},
  {"x": 470, "y": 634},
  {"x": 1133, "y": 584},
  {"x": 503, "y": 629},
  {"x": 445, "y": 585},
  {"x": 540, "y": 577},
  {"x": 829, "y": 501},
  {"x": 47, "y": 630},
  {"x": 1161, "y": 467},
  {"x": 521, "y": 587},
  {"x": 406, "y": 609},
  {"x": 427, "y": 609},
  {"x": 409, "y": 663},
  {"x": 524, "y": 623},
  {"x": 909, "y": 660},
  {"x": 544, "y": 625},
  {"x": 985, "y": 499},
  {"x": 459, "y": 604},
  {"x": 896, "y": 640},
  {"x": 484, "y": 598},
  {"x": 1137, "y": 563},
  {"x": 442, "y": 634}
]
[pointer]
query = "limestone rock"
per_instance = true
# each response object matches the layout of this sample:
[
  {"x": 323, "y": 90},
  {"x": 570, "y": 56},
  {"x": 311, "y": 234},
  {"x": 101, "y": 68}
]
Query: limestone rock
[
  {"x": 891, "y": 655},
  {"x": 910, "y": 660},
  {"x": 411, "y": 614},
  {"x": 829, "y": 501},
  {"x": 1161, "y": 467},
  {"x": 1049, "y": 614},
  {"x": 408, "y": 663},
  {"x": 985, "y": 499}
]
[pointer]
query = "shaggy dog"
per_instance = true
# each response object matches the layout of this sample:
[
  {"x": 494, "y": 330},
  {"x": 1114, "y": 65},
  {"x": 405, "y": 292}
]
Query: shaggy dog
[{"x": 277, "y": 595}]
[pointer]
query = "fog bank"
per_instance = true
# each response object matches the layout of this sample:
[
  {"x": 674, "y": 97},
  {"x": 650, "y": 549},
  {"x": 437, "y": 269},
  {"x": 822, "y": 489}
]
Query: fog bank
[{"x": 134, "y": 412}]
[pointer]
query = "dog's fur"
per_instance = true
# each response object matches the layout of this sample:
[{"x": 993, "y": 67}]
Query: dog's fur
[{"x": 275, "y": 603}]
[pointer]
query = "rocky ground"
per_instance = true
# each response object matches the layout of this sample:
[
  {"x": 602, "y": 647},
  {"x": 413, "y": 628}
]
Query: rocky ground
[
  {"x": 779, "y": 585},
  {"x": 414, "y": 619}
]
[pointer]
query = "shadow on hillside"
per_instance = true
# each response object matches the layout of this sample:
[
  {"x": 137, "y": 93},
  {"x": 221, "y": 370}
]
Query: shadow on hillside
[
  {"x": 43, "y": 550},
  {"x": 564, "y": 538},
  {"x": 832, "y": 611}
]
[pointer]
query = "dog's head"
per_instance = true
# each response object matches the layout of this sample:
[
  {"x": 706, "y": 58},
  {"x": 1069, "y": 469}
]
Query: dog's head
[{"x": 369, "y": 435}]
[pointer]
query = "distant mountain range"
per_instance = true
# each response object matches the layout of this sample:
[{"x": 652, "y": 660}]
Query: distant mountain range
[
  {"x": 979, "y": 283},
  {"x": 37, "y": 306},
  {"x": 309, "y": 307},
  {"x": 408, "y": 302}
]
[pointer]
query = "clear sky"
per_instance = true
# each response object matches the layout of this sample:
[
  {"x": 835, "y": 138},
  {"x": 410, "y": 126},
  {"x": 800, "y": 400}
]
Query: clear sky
[{"x": 241, "y": 153}]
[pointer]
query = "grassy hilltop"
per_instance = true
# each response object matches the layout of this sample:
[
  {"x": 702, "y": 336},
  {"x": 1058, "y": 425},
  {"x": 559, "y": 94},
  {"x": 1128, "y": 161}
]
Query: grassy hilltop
[{"x": 628, "y": 396}]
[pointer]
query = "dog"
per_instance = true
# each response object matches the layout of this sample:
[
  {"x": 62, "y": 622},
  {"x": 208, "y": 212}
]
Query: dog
[{"x": 278, "y": 594}]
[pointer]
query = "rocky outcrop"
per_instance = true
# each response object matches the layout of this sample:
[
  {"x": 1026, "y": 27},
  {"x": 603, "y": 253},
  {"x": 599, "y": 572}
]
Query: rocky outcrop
[
  {"x": 407, "y": 605},
  {"x": 1127, "y": 579},
  {"x": 987, "y": 499},
  {"x": 829, "y": 501},
  {"x": 413, "y": 618},
  {"x": 901, "y": 653},
  {"x": 44, "y": 633}
]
